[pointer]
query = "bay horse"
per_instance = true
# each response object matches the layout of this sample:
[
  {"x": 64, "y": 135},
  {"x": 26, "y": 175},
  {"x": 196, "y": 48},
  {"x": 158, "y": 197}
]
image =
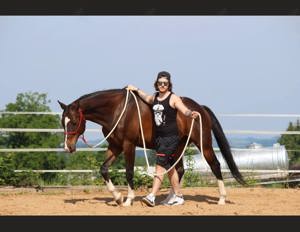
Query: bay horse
[{"x": 104, "y": 108}]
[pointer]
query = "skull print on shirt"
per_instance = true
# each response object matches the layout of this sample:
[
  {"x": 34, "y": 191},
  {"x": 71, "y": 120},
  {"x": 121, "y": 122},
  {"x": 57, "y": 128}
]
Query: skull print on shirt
[{"x": 159, "y": 116}]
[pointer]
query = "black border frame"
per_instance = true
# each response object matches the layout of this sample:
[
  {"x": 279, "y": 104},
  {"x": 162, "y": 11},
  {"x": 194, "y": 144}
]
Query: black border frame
[{"x": 149, "y": 7}]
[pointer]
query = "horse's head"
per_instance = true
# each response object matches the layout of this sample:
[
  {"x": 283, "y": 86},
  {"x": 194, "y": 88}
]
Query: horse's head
[{"x": 73, "y": 122}]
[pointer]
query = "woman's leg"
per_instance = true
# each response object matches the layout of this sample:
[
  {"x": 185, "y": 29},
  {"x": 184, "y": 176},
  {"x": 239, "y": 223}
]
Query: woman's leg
[
  {"x": 150, "y": 198},
  {"x": 157, "y": 179},
  {"x": 174, "y": 180}
]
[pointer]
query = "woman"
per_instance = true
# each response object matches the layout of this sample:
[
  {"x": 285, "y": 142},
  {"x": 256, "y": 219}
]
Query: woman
[{"x": 164, "y": 106}]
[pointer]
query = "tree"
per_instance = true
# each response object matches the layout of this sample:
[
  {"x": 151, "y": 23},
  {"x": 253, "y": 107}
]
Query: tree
[
  {"x": 292, "y": 142},
  {"x": 29, "y": 102},
  {"x": 32, "y": 102}
]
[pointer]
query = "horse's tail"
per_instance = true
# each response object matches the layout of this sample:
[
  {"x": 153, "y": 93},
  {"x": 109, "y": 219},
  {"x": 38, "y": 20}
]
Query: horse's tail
[{"x": 224, "y": 146}]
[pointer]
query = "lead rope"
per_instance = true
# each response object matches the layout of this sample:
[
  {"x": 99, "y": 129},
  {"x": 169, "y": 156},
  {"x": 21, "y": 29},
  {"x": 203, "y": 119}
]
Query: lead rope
[{"x": 182, "y": 153}]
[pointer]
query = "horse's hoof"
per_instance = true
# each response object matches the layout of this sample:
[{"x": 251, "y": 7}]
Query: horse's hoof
[
  {"x": 128, "y": 202},
  {"x": 221, "y": 201}
]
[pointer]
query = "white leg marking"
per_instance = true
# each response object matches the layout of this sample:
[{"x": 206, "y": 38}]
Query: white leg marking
[
  {"x": 222, "y": 192},
  {"x": 67, "y": 120},
  {"x": 111, "y": 188},
  {"x": 130, "y": 197}
]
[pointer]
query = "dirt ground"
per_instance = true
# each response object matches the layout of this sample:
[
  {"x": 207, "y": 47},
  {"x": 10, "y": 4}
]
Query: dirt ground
[{"x": 198, "y": 201}]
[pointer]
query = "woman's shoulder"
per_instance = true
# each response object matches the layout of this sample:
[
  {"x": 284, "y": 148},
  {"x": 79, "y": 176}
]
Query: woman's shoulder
[{"x": 174, "y": 96}]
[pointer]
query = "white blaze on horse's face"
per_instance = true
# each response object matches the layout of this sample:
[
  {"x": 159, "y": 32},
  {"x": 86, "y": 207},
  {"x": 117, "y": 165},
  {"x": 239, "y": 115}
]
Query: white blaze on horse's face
[{"x": 67, "y": 120}]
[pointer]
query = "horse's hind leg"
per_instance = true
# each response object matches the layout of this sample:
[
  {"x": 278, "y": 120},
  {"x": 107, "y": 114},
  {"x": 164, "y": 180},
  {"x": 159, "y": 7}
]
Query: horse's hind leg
[
  {"x": 129, "y": 153},
  {"x": 214, "y": 164},
  {"x": 111, "y": 155},
  {"x": 210, "y": 156}
]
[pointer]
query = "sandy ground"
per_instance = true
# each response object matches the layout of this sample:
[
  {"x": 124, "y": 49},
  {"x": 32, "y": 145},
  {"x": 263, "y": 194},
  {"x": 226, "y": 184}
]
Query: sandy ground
[{"x": 198, "y": 201}]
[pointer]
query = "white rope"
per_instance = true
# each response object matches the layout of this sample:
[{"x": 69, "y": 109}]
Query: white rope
[{"x": 142, "y": 131}]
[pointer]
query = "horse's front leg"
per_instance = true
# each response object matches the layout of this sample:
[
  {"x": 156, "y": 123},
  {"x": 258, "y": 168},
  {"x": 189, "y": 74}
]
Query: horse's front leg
[
  {"x": 129, "y": 153},
  {"x": 111, "y": 155}
]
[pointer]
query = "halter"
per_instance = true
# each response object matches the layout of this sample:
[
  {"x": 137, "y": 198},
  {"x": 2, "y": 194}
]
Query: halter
[{"x": 81, "y": 120}]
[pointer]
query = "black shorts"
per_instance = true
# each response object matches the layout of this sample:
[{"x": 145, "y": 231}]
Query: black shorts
[{"x": 165, "y": 148}]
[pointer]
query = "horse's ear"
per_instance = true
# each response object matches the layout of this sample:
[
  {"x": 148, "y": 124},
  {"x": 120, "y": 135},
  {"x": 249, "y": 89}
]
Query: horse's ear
[{"x": 62, "y": 105}]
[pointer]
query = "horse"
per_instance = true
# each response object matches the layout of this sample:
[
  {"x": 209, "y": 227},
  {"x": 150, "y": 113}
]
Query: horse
[{"x": 104, "y": 108}]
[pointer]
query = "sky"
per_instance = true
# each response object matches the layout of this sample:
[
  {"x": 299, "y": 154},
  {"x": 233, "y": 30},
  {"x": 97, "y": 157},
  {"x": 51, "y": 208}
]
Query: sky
[{"x": 233, "y": 64}]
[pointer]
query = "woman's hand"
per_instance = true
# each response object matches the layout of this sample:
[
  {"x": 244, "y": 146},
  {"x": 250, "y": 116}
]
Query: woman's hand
[
  {"x": 132, "y": 87},
  {"x": 194, "y": 114}
]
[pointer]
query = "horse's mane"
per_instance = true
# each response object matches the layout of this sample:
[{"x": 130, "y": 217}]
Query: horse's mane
[{"x": 104, "y": 92}]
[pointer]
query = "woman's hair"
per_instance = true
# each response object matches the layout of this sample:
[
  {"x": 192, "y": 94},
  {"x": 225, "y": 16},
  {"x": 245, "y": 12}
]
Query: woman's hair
[{"x": 166, "y": 75}]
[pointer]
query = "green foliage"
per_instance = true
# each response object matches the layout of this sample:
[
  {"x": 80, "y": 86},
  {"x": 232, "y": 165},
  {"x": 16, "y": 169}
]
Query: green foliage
[
  {"x": 292, "y": 142},
  {"x": 82, "y": 160},
  {"x": 142, "y": 180},
  {"x": 26, "y": 179},
  {"x": 191, "y": 178},
  {"x": 7, "y": 166},
  {"x": 31, "y": 102},
  {"x": 189, "y": 151}
]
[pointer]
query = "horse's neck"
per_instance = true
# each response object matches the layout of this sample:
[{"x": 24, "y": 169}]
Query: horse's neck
[{"x": 101, "y": 109}]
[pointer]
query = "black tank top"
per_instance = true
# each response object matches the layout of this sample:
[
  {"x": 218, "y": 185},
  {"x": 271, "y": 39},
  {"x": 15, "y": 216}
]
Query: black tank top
[{"x": 164, "y": 117}]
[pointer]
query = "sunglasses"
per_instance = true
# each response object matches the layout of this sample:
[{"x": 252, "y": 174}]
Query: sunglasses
[{"x": 163, "y": 83}]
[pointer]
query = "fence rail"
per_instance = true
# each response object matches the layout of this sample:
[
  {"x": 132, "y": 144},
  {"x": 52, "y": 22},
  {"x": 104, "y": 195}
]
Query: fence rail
[
  {"x": 98, "y": 130},
  {"x": 87, "y": 149},
  {"x": 140, "y": 168},
  {"x": 41, "y": 130},
  {"x": 58, "y": 130},
  {"x": 221, "y": 114}
]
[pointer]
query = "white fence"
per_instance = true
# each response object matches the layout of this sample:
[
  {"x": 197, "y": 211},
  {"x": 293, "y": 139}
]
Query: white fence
[{"x": 58, "y": 130}]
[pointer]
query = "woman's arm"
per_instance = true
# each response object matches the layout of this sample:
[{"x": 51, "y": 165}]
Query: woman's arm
[
  {"x": 179, "y": 105},
  {"x": 147, "y": 98}
]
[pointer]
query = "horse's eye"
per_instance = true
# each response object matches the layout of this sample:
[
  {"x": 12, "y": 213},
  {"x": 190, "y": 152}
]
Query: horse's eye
[{"x": 73, "y": 123}]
